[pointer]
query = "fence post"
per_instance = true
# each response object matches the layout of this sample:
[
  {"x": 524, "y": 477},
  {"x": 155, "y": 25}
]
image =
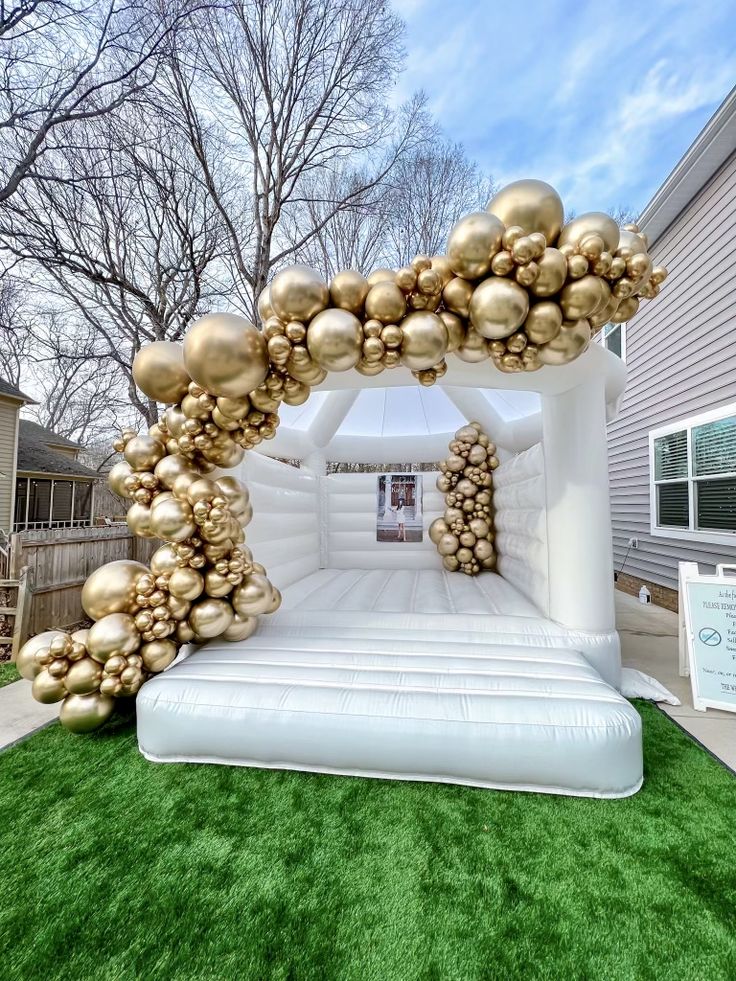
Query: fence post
[
  {"x": 16, "y": 556},
  {"x": 22, "y": 611}
]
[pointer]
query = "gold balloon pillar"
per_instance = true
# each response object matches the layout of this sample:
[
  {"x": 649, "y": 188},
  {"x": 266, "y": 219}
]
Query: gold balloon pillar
[{"x": 464, "y": 535}]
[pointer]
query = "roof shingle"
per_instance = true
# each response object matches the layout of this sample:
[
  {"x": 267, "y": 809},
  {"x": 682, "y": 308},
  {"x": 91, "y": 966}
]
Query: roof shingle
[{"x": 34, "y": 456}]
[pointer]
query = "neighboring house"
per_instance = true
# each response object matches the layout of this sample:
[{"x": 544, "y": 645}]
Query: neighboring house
[
  {"x": 672, "y": 449},
  {"x": 12, "y": 401}
]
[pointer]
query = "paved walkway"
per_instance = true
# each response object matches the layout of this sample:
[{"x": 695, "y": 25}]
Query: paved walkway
[{"x": 648, "y": 642}]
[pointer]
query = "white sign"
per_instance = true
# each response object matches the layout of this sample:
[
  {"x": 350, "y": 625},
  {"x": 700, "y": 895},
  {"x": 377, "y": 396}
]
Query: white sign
[{"x": 710, "y": 628}]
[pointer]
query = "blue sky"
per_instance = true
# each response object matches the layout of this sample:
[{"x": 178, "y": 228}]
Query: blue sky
[{"x": 599, "y": 98}]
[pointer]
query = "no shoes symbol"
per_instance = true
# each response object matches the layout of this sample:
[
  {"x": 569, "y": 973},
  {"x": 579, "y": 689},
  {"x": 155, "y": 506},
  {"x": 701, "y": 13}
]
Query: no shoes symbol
[{"x": 710, "y": 637}]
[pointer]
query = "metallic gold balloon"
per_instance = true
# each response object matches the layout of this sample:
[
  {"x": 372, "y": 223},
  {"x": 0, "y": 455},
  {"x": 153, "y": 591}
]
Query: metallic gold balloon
[
  {"x": 381, "y": 276},
  {"x": 474, "y": 348},
  {"x": 158, "y": 654},
  {"x": 543, "y": 322},
  {"x": 26, "y": 663},
  {"x": 532, "y": 205},
  {"x": 483, "y": 549},
  {"x": 335, "y": 339},
  {"x": 164, "y": 561},
  {"x": 604, "y": 313},
  {"x": 629, "y": 244},
  {"x": 625, "y": 310},
  {"x": 298, "y": 293},
  {"x": 253, "y": 597},
  {"x": 425, "y": 340},
  {"x": 437, "y": 529},
  {"x": 172, "y": 520},
  {"x": 498, "y": 307},
  {"x": 48, "y": 689},
  {"x": 226, "y": 354},
  {"x": 138, "y": 519},
  {"x": 348, "y": 291},
  {"x": 385, "y": 302},
  {"x": 210, "y": 617},
  {"x": 551, "y": 275},
  {"x": 569, "y": 344},
  {"x": 591, "y": 223},
  {"x": 117, "y": 477},
  {"x": 84, "y": 713},
  {"x": 456, "y": 330},
  {"x": 186, "y": 583},
  {"x": 83, "y": 676},
  {"x": 115, "y": 633},
  {"x": 159, "y": 371},
  {"x": 582, "y": 297},
  {"x": 441, "y": 265},
  {"x": 240, "y": 629},
  {"x": 448, "y": 544},
  {"x": 112, "y": 588},
  {"x": 143, "y": 452},
  {"x": 473, "y": 242},
  {"x": 265, "y": 309}
]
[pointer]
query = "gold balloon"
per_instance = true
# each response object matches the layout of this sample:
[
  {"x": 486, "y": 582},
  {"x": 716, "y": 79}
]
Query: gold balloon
[
  {"x": 265, "y": 309},
  {"x": 582, "y": 297},
  {"x": 84, "y": 713},
  {"x": 437, "y": 529},
  {"x": 591, "y": 223},
  {"x": 210, "y": 617},
  {"x": 625, "y": 310},
  {"x": 474, "y": 348},
  {"x": 138, "y": 519},
  {"x": 297, "y": 293},
  {"x": 172, "y": 520},
  {"x": 186, "y": 583},
  {"x": 226, "y": 355},
  {"x": 48, "y": 689},
  {"x": 532, "y": 205},
  {"x": 473, "y": 242},
  {"x": 240, "y": 629},
  {"x": 26, "y": 663},
  {"x": 159, "y": 371},
  {"x": 382, "y": 276},
  {"x": 348, "y": 291},
  {"x": 253, "y": 597},
  {"x": 441, "y": 265},
  {"x": 164, "y": 561},
  {"x": 335, "y": 339},
  {"x": 385, "y": 302},
  {"x": 456, "y": 330},
  {"x": 144, "y": 452},
  {"x": 115, "y": 633},
  {"x": 552, "y": 273},
  {"x": 604, "y": 313},
  {"x": 457, "y": 294},
  {"x": 117, "y": 477},
  {"x": 112, "y": 588},
  {"x": 158, "y": 654},
  {"x": 483, "y": 549},
  {"x": 543, "y": 322},
  {"x": 83, "y": 676},
  {"x": 629, "y": 244},
  {"x": 569, "y": 344},
  {"x": 425, "y": 340},
  {"x": 448, "y": 544},
  {"x": 498, "y": 307}
]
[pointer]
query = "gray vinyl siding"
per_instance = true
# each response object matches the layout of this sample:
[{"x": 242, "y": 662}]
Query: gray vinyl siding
[
  {"x": 681, "y": 360},
  {"x": 8, "y": 435}
]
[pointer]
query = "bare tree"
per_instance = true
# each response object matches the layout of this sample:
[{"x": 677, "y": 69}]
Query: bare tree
[{"x": 16, "y": 328}]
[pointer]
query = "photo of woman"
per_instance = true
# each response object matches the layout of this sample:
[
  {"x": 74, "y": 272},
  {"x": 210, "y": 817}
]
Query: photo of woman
[
  {"x": 400, "y": 520},
  {"x": 399, "y": 508}
]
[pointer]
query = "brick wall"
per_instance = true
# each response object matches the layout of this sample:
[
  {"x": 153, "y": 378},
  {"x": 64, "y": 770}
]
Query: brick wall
[{"x": 661, "y": 595}]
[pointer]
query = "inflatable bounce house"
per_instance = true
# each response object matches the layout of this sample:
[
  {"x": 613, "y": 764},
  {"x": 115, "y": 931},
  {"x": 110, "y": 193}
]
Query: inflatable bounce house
[{"x": 480, "y": 648}]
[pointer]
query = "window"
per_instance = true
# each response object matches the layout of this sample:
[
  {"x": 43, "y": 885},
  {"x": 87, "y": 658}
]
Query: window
[
  {"x": 613, "y": 337},
  {"x": 693, "y": 478}
]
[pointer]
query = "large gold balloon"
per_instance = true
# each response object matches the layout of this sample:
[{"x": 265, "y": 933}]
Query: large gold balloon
[
  {"x": 159, "y": 371},
  {"x": 186, "y": 583},
  {"x": 382, "y": 276},
  {"x": 335, "y": 339},
  {"x": 111, "y": 588},
  {"x": 591, "y": 223},
  {"x": 425, "y": 340},
  {"x": 138, "y": 519},
  {"x": 210, "y": 617},
  {"x": 582, "y": 297},
  {"x": 115, "y": 633},
  {"x": 241, "y": 628},
  {"x": 533, "y": 205},
  {"x": 437, "y": 529},
  {"x": 164, "y": 560},
  {"x": 253, "y": 597},
  {"x": 48, "y": 689},
  {"x": 552, "y": 266},
  {"x": 569, "y": 344},
  {"x": 498, "y": 307},
  {"x": 543, "y": 322},
  {"x": 119, "y": 474},
  {"x": 83, "y": 676},
  {"x": 472, "y": 244},
  {"x": 298, "y": 293},
  {"x": 348, "y": 291},
  {"x": 385, "y": 302},
  {"x": 84, "y": 713},
  {"x": 226, "y": 355},
  {"x": 26, "y": 663},
  {"x": 457, "y": 294},
  {"x": 144, "y": 452},
  {"x": 172, "y": 520},
  {"x": 158, "y": 654}
]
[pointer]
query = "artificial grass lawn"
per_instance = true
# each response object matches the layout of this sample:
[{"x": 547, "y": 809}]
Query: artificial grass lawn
[
  {"x": 8, "y": 673},
  {"x": 113, "y": 867}
]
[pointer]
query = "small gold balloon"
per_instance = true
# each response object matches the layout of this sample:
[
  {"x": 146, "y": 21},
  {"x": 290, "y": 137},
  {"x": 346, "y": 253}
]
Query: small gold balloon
[
  {"x": 240, "y": 629},
  {"x": 533, "y": 205},
  {"x": 385, "y": 302},
  {"x": 543, "y": 322},
  {"x": 451, "y": 563},
  {"x": 144, "y": 452},
  {"x": 335, "y": 339},
  {"x": 26, "y": 663},
  {"x": 448, "y": 544},
  {"x": 569, "y": 344},
  {"x": 265, "y": 309},
  {"x": 498, "y": 307},
  {"x": 348, "y": 291},
  {"x": 629, "y": 244},
  {"x": 47, "y": 689},
  {"x": 112, "y": 588},
  {"x": 84, "y": 713},
  {"x": 115, "y": 633},
  {"x": 604, "y": 313},
  {"x": 210, "y": 617},
  {"x": 158, "y": 654},
  {"x": 381, "y": 276},
  {"x": 186, "y": 583},
  {"x": 457, "y": 295},
  {"x": 226, "y": 354},
  {"x": 474, "y": 348},
  {"x": 117, "y": 477},
  {"x": 159, "y": 371},
  {"x": 253, "y": 597},
  {"x": 591, "y": 223},
  {"x": 437, "y": 529},
  {"x": 138, "y": 519},
  {"x": 473, "y": 242},
  {"x": 456, "y": 330},
  {"x": 581, "y": 298},
  {"x": 551, "y": 275},
  {"x": 425, "y": 340},
  {"x": 625, "y": 310},
  {"x": 172, "y": 520},
  {"x": 483, "y": 549},
  {"x": 298, "y": 293},
  {"x": 83, "y": 676},
  {"x": 441, "y": 265}
]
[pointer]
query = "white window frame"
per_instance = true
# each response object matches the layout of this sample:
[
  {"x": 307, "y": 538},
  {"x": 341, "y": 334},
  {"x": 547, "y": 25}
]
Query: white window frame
[
  {"x": 688, "y": 534},
  {"x": 602, "y": 335}
]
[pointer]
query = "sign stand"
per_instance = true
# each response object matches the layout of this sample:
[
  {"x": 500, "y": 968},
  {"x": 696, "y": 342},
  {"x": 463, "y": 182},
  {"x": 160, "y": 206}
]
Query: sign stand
[{"x": 709, "y": 607}]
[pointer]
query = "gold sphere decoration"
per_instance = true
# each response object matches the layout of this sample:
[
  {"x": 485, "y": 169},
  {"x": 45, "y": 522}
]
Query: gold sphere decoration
[
  {"x": 48, "y": 689},
  {"x": 532, "y": 205},
  {"x": 457, "y": 295},
  {"x": 83, "y": 676},
  {"x": 498, "y": 307},
  {"x": 119, "y": 473},
  {"x": 186, "y": 583},
  {"x": 265, "y": 309},
  {"x": 348, "y": 290},
  {"x": 26, "y": 663},
  {"x": 160, "y": 373},
  {"x": 85, "y": 713},
  {"x": 382, "y": 276},
  {"x": 385, "y": 302},
  {"x": 240, "y": 629},
  {"x": 591, "y": 223},
  {"x": 138, "y": 519},
  {"x": 253, "y": 597},
  {"x": 226, "y": 355},
  {"x": 335, "y": 339},
  {"x": 551, "y": 275},
  {"x": 297, "y": 293},
  {"x": 582, "y": 297},
  {"x": 474, "y": 348},
  {"x": 543, "y": 322},
  {"x": 112, "y": 588},
  {"x": 425, "y": 340},
  {"x": 164, "y": 561},
  {"x": 456, "y": 330},
  {"x": 573, "y": 339},
  {"x": 210, "y": 617},
  {"x": 172, "y": 520},
  {"x": 115, "y": 633},
  {"x": 144, "y": 452},
  {"x": 158, "y": 654},
  {"x": 473, "y": 242}
]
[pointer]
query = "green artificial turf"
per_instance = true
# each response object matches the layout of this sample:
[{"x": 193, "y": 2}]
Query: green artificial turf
[
  {"x": 8, "y": 673},
  {"x": 113, "y": 867}
]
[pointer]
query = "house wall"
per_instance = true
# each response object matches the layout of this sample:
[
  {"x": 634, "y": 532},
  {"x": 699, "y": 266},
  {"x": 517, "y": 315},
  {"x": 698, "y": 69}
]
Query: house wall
[
  {"x": 681, "y": 360},
  {"x": 8, "y": 439}
]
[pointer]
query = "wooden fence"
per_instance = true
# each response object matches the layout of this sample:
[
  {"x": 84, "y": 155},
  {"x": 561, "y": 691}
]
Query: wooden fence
[{"x": 59, "y": 561}]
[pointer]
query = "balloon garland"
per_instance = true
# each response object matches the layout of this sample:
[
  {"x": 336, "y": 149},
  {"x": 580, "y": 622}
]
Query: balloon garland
[
  {"x": 464, "y": 534},
  {"x": 515, "y": 287}
]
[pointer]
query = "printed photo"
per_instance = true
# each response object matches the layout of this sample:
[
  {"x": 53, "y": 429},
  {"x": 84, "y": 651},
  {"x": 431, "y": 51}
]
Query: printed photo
[{"x": 399, "y": 508}]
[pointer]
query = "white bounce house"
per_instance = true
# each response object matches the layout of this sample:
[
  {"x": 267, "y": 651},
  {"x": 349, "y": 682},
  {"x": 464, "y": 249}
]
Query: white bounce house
[{"x": 379, "y": 662}]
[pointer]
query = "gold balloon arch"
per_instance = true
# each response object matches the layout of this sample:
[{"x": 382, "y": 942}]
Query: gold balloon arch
[{"x": 515, "y": 287}]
